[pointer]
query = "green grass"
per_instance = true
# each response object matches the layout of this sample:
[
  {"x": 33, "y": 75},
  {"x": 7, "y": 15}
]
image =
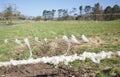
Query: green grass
[
  {"x": 52, "y": 29},
  {"x": 112, "y": 72},
  {"x": 109, "y": 31}
]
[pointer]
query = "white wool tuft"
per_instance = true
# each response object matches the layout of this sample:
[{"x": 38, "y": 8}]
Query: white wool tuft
[
  {"x": 37, "y": 39},
  {"x": 74, "y": 39},
  {"x": 6, "y": 41},
  {"x": 28, "y": 45},
  {"x": 65, "y": 38},
  {"x": 55, "y": 60},
  {"x": 118, "y": 53},
  {"x": 18, "y": 41},
  {"x": 45, "y": 39},
  {"x": 85, "y": 39}
]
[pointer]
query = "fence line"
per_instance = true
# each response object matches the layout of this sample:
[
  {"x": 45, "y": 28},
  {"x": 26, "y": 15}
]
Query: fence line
[{"x": 113, "y": 14}]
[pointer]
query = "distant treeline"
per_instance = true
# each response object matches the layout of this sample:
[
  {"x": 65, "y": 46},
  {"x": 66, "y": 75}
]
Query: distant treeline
[{"x": 85, "y": 13}]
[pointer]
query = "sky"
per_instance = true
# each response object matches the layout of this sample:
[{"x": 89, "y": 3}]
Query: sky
[{"x": 36, "y": 7}]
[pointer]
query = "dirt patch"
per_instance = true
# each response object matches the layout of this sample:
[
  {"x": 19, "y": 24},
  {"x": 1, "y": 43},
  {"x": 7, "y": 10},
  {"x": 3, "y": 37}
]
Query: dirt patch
[
  {"x": 55, "y": 47},
  {"x": 30, "y": 70},
  {"x": 94, "y": 42},
  {"x": 58, "y": 46},
  {"x": 43, "y": 70},
  {"x": 19, "y": 50},
  {"x": 47, "y": 70}
]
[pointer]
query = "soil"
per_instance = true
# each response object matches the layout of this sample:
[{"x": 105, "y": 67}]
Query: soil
[
  {"x": 30, "y": 70},
  {"x": 43, "y": 70},
  {"x": 48, "y": 70}
]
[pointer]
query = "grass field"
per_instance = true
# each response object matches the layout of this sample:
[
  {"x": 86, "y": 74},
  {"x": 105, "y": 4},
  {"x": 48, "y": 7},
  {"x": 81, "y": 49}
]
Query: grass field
[{"x": 108, "y": 31}]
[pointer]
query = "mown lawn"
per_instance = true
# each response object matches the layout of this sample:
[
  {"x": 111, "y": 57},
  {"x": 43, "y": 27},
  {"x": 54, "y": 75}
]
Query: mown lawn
[{"x": 108, "y": 31}]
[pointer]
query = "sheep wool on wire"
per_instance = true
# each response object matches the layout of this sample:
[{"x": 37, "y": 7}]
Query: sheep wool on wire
[
  {"x": 28, "y": 45},
  {"x": 68, "y": 43},
  {"x": 91, "y": 56},
  {"x": 85, "y": 39},
  {"x": 74, "y": 39},
  {"x": 55, "y": 60},
  {"x": 118, "y": 53},
  {"x": 46, "y": 40},
  {"x": 37, "y": 39},
  {"x": 18, "y": 42},
  {"x": 5, "y": 41},
  {"x": 66, "y": 38}
]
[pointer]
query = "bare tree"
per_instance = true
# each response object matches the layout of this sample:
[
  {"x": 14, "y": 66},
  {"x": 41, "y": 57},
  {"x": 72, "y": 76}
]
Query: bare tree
[{"x": 10, "y": 12}]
